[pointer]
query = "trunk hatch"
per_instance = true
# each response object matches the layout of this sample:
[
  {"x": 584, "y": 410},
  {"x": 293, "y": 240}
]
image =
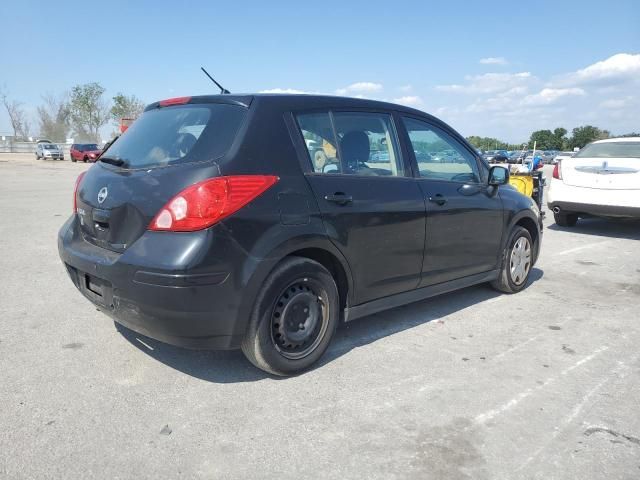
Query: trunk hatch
[
  {"x": 163, "y": 152},
  {"x": 605, "y": 173}
]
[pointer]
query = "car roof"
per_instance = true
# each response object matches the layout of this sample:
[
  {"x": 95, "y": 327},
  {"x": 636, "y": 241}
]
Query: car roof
[
  {"x": 297, "y": 101},
  {"x": 618, "y": 139}
]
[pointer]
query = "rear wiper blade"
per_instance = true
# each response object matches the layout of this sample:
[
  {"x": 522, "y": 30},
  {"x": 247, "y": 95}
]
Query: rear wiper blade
[{"x": 118, "y": 162}]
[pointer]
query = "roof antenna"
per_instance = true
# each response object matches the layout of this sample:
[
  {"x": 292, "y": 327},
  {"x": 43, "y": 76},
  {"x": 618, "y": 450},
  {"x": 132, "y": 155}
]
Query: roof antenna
[{"x": 223, "y": 90}]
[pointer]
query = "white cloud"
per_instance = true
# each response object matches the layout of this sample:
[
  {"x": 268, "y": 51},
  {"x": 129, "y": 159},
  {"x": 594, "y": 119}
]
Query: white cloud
[
  {"x": 512, "y": 105},
  {"x": 622, "y": 66},
  {"x": 550, "y": 95},
  {"x": 409, "y": 100},
  {"x": 285, "y": 90},
  {"x": 489, "y": 83},
  {"x": 406, "y": 88},
  {"x": 494, "y": 61},
  {"x": 616, "y": 103},
  {"x": 360, "y": 87}
]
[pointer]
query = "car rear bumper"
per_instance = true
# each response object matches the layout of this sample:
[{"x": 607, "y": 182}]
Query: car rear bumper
[
  {"x": 148, "y": 291},
  {"x": 597, "y": 210},
  {"x": 593, "y": 201}
]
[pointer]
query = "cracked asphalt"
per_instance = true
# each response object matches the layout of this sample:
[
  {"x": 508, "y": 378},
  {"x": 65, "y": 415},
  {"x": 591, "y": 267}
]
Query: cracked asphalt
[{"x": 544, "y": 384}]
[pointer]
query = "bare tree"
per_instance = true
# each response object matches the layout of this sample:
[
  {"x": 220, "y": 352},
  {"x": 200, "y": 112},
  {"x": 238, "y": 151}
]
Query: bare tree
[
  {"x": 53, "y": 116},
  {"x": 17, "y": 116}
]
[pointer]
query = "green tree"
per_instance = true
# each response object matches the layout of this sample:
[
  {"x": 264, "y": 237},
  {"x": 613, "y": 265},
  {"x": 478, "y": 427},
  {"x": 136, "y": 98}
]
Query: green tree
[
  {"x": 88, "y": 111},
  {"x": 489, "y": 143},
  {"x": 586, "y": 134},
  {"x": 560, "y": 139},
  {"x": 542, "y": 139},
  {"x": 126, "y": 107},
  {"x": 53, "y": 115}
]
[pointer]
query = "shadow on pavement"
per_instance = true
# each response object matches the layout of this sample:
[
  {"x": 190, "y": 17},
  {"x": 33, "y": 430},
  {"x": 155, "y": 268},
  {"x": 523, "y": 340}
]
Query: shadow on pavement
[
  {"x": 232, "y": 367},
  {"x": 601, "y": 227}
]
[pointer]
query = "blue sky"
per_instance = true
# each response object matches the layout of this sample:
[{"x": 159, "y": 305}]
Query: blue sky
[{"x": 498, "y": 68}]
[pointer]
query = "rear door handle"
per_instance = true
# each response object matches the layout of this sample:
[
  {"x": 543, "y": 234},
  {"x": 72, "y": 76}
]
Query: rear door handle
[
  {"x": 438, "y": 199},
  {"x": 339, "y": 198}
]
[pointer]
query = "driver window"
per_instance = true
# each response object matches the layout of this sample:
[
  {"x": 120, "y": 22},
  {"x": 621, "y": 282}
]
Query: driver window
[
  {"x": 365, "y": 145},
  {"x": 439, "y": 156}
]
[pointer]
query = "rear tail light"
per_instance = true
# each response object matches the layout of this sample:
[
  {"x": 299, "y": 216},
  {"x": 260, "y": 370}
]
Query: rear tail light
[
  {"x": 75, "y": 191},
  {"x": 206, "y": 203},
  {"x": 557, "y": 171}
]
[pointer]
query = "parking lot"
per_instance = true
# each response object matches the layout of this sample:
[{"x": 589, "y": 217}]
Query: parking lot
[{"x": 473, "y": 384}]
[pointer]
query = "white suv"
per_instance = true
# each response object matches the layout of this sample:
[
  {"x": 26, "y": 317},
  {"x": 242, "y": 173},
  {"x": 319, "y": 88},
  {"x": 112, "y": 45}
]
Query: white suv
[{"x": 602, "y": 179}]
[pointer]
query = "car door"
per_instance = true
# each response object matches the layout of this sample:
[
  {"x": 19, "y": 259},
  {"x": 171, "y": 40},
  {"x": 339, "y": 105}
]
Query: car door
[
  {"x": 372, "y": 208},
  {"x": 464, "y": 217}
]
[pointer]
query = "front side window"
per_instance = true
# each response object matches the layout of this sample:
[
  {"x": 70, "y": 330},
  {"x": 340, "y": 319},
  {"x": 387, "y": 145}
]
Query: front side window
[
  {"x": 364, "y": 144},
  {"x": 440, "y": 156}
]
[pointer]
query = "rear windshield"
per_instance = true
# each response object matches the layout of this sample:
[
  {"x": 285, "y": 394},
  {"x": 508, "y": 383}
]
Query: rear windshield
[
  {"x": 610, "y": 150},
  {"x": 178, "y": 134}
]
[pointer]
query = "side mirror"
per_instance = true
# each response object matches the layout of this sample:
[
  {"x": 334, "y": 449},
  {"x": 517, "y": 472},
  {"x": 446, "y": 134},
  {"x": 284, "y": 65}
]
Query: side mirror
[{"x": 498, "y": 175}]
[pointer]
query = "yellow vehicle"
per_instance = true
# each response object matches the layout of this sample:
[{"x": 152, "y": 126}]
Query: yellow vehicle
[{"x": 530, "y": 184}]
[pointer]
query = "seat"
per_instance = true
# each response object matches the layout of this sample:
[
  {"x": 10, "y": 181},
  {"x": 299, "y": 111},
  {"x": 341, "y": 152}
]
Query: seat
[{"x": 355, "y": 150}]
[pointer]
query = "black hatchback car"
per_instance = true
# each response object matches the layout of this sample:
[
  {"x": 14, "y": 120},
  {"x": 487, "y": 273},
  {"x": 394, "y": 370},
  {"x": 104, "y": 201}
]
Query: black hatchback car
[{"x": 262, "y": 221}]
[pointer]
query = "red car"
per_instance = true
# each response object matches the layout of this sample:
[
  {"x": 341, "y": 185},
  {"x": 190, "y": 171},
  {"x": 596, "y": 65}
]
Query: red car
[{"x": 87, "y": 152}]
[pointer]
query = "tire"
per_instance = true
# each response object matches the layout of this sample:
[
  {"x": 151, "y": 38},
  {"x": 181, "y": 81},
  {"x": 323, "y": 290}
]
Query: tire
[
  {"x": 85, "y": 159},
  {"x": 73, "y": 159},
  {"x": 295, "y": 287},
  {"x": 566, "y": 219},
  {"x": 512, "y": 278}
]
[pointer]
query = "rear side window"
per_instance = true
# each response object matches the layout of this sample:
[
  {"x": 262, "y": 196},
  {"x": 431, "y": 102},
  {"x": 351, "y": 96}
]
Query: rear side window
[
  {"x": 179, "y": 134},
  {"x": 364, "y": 144}
]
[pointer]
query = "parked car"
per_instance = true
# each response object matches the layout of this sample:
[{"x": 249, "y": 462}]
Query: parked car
[
  {"x": 48, "y": 151},
  {"x": 602, "y": 179},
  {"x": 517, "y": 157},
  {"x": 562, "y": 156},
  {"x": 86, "y": 152},
  {"x": 209, "y": 225}
]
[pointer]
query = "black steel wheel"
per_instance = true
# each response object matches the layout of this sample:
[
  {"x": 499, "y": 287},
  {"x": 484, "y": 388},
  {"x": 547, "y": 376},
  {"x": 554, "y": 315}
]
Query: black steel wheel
[
  {"x": 300, "y": 318},
  {"x": 294, "y": 317}
]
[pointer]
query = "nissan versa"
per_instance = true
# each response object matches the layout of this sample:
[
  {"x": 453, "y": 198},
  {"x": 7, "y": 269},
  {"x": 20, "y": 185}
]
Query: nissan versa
[{"x": 262, "y": 221}]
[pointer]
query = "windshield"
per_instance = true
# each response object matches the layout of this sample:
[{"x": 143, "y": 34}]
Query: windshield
[
  {"x": 87, "y": 147},
  {"x": 610, "y": 150},
  {"x": 50, "y": 147},
  {"x": 178, "y": 134}
]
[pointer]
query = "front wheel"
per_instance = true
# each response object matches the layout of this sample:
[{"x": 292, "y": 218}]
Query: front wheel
[
  {"x": 517, "y": 262},
  {"x": 294, "y": 317}
]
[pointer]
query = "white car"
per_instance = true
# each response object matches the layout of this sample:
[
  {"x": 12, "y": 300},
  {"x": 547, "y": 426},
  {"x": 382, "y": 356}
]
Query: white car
[
  {"x": 602, "y": 179},
  {"x": 47, "y": 150},
  {"x": 562, "y": 156}
]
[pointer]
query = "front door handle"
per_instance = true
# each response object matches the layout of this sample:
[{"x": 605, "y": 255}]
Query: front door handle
[
  {"x": 339, "y": 198},
  {"x": 438, "y": 199}
]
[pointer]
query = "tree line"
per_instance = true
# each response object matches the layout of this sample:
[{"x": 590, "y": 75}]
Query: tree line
[
  {"x": 80, "y": 112},
  {"x": 549, "y": 140}
]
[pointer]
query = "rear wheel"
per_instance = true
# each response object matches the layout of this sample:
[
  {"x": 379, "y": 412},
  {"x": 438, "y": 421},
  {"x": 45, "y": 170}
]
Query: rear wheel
[
  {"x": 565, "y": 219},
  {"x": 85, "y": 159},
  {"x": 294, "y": 317},
  {"x": 517, "y": 261}
]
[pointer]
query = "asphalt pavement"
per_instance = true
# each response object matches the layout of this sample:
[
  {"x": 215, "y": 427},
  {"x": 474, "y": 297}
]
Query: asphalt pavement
[{"x": 544, "y": 384}]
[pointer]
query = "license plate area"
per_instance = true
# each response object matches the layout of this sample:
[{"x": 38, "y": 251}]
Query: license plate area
[{"x": 98, "y": 290}]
